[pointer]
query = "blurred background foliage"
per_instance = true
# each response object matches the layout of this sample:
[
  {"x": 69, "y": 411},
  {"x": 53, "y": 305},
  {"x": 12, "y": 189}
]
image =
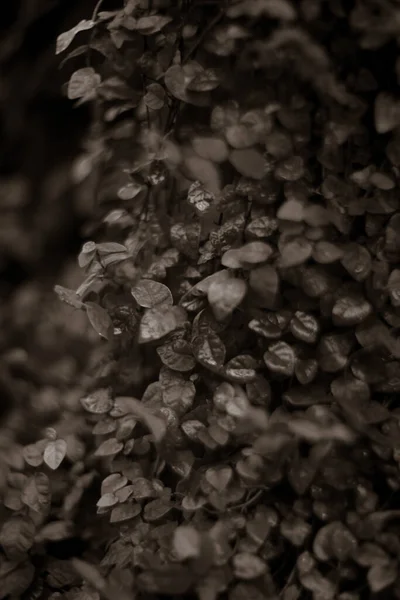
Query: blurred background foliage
[{"x": 42, "y": 211}]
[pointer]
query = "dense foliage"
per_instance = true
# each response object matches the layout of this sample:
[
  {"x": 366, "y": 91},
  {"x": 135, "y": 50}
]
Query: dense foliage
[{"x": 234, "y": 433}]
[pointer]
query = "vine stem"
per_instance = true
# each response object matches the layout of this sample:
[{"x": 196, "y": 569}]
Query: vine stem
[
  {"x": 204, "y": 33},
  {"x": 95, "y": 13}
]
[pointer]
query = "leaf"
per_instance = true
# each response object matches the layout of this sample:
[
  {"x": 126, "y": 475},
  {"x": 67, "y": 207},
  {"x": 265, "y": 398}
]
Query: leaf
[
  {"x": 241, "y": 136},
  {"x": 159, "y": 321},
  {"x": 54, "y": 453},
  {"x": 200, "y": 198},
  {"x": 381, "y": 577},
  {"x": 65, "y": 38},
  {"x": 248, "y": 566},
  {"x": 205, "y": 81},
  {"x": 130, "y": 190},
  {"x": 261, "y": 227},
  {"x": 89, "y": 573},
  {"x": 36, "y": 493},
  {"x": 55, "y": 531},
  {"x": 325, "y": 252},
  {"x": 249, "y": 163},
  {"x": 259, "y": 392},
  {"x": 98, "y": 402},
  {"x": 249, "y": 254},
  {"x": 100, "y": 320},
  {"x": 291, "y": 210},
  {"x": 68, "y": 296},
  {"x": 17, "y": 537},
  {"x": 186, "y": 543},
  {"x": 33, "y": 455},
  {"x": 393, "y": 286},
  {"x": 186, "y": 238},
  {"x": 156, "y": 425},
  {"x": 176, "y": 360},
  {"x": 149, "y": 293},
  {"x": 156, "y": 510},
  {"x": 177, "y": 393},
  {"x": 350, "y": 309},
  {"x": 306, "y": 370},
  {"x": 113, "y": 482},
  {"x": 107, "y": 500},
  {"x": 295, "y": 252},
  {"x": 125, "y": 512},
  {"x": 387, "y": 113},
  {"x": 207, "y": 173},
  {"x": 236, "y": 405},
  {"x": 155, "y": 96},
  {"x": 109, "y": 447},
  {"x": 226, "y": 296},
  {"x": 16, "y": 577},
  {"x": 274, "y": 9},
  {"x": 219, "y": 477},
  {"x": 264, "y": 281},
  {"x": 152, "y": 24},
  {"x": 83, "y": 84},
  {"x": 357, "y": 261},
  {"x": 304, "y": 327},
  {"x": 290, "y": 169},
  {"x": 177, "y": 79},
  {"x": 280, "y": 359},
  {"x": 211, "y": 148},
  {"x": 209, "y": 351},
  {"x": 241, "y": 369}
]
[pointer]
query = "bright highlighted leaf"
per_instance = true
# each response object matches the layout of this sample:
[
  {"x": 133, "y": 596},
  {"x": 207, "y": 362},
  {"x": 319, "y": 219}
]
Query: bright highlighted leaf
[
  {"x": 186, "y": 542},
  {"x": 65, "y": 38},
  {"x": 54, "y": 453},
  {"x": 149, "y": 293},
  {"x": 249, "y": 254},
  {"x": 159, "y": 321},
  {"x": 200, "y": 198},
  {"x": 83, "y": 84},
  {"x": 68, "y": 296},
  {"x": 130, "y": 191},
  {"x": 225, "y": 296}
]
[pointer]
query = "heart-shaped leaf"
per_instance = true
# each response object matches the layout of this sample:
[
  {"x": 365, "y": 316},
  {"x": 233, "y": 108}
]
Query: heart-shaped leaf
[
  {"x": 280, "y": 358},
  {"x": 149, "y": 293},
  {"x": 54, "y": 453},
  {"x": 209, "y": 351},
  {"x": 159, "y": 321},
  {"x": 225, "y": 296}
]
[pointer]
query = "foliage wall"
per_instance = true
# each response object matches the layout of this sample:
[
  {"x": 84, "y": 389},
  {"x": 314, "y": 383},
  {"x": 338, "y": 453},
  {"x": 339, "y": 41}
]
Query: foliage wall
[{"x": 234, "y": 431}]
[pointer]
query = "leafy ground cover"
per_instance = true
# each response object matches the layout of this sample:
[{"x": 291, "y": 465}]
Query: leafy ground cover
[{"x": 223, "y": 420}]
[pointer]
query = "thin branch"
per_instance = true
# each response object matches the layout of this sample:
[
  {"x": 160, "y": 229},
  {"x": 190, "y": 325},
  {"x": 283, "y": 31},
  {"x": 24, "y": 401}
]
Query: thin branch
[
  {"x": 94, "y": 16},
  {"x": 204, "y": 34}
]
